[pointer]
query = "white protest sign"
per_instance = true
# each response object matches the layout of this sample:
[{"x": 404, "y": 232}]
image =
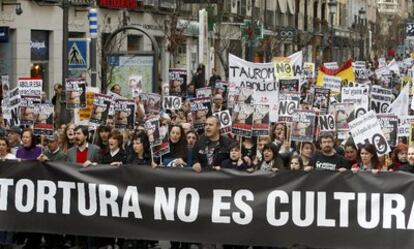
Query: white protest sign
[
  {"x": 360, "y": 70},
  {"x": 331, "y": 65},
  {"x": 309, "y": 70},
  {"x": 332, "y": 82},
  {"x": 28, "y": 86},
  {"x": 327, "y": 123},
  {"x": 404, "y": 125},
  {"x": 171, "y": 102},
  {"x": 260, "y": 76},
  {"x": 366, "y": 129},
  {"x": 357, "y": 94},
  {"x": 225, "y": 121}
]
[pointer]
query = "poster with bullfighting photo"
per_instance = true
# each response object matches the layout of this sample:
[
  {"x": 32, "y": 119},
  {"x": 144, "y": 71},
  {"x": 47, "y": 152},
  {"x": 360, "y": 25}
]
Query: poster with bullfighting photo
[
  {"x": 28, "y": 107},
  {"x": 43, "y": 124},
  {"x": 164, "y": 146},
  {"x": 205, "y": 92},
  {"x": 178, "y": 82},
  {"x": 124, "y": 114},
  {"x": 261, "y": 124},
  {"x": 75, "y": 93},
  {"x": 303, "y": 126},
  {"x": 321, "y": 99},
  {"x": 152, "y": 128},
  {"x": 151, "y": 102},
  {"x": 200, "y": 110},
  {"x": 389, "y": 127},
  {"x": 243, "y": 119},
  {"x": 289, "y": 85},
  {"x": 100, "y": 109}
]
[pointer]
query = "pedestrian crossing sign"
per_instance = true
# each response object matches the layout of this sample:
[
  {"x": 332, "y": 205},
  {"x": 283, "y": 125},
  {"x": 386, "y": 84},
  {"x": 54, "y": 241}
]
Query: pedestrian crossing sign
[{"x": 78, "y": 54}]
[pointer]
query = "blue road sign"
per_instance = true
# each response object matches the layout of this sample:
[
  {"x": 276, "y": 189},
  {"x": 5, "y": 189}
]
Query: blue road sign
[{"x": 78, "y": 54}]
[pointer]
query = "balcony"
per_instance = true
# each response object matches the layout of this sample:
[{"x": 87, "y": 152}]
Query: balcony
[{"x": 390, "y": 7}]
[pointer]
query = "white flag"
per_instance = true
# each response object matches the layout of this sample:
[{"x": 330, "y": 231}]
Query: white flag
[
  {"x": 400, "y": 105},
  {"x": 393, "y": 66}
]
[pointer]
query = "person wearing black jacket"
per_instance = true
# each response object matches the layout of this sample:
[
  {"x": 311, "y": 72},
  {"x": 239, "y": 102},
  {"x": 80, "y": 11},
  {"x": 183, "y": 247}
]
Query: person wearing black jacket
[
  {"x": 235, "y": 161},
  {"x": 116, "y": 155},
  {"x": 212, "y": 148},
  {"x": 140, "y": 154}
]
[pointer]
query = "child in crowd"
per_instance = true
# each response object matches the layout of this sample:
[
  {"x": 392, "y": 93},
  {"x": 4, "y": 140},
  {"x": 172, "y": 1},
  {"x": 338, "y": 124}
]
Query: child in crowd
[
  {"x": 296, "y": 163},
  {"x": 235, "y": 161}
]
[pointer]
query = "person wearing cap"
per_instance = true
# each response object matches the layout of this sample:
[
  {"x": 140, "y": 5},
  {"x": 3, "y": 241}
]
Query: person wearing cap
[
  {"x": 14, "y": 137},
  {"x": 53, "y": 151}
]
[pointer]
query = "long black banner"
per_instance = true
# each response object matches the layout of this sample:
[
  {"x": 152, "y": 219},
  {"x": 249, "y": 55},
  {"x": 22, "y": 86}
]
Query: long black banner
[{"x": 317, "y": 209}]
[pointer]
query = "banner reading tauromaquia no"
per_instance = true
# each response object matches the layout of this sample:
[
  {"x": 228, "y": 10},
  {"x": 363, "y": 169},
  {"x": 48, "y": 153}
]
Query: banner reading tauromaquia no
[{"x": 318, "y": 209}]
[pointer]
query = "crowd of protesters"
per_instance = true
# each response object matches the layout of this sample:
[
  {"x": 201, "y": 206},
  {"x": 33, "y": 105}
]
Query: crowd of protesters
[{"x": 199, "y": 150}]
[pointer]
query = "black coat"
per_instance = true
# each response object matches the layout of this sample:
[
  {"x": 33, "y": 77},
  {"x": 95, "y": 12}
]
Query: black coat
[{"x": 221, "y": 151}]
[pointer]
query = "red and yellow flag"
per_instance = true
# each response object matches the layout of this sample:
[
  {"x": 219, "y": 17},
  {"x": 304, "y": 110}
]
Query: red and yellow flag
[{"x": 345, "y": 72}]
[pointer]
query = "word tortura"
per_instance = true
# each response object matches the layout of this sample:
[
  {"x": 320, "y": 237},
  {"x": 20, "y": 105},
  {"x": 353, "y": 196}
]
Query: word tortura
[{"x": 387, "y": 210}]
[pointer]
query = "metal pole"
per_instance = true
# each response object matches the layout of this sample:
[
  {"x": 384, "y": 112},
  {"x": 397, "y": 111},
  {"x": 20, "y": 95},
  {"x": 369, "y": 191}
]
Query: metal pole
[
  {"x": 93, "y": 30},
  {"x": 65, "y": 115},
  {"x": 65, "y": 7},
  {"x": 332, "y": 37}
]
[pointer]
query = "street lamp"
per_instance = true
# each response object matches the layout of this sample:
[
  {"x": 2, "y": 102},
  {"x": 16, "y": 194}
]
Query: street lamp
[
  {"x": 361, "y": 21},
  {"x": 332, "y": 11}
]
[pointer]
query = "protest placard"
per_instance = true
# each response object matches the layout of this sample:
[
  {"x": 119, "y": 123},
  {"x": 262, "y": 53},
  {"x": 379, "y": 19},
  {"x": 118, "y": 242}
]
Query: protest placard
[
  {"x": 124, "y": 117},
  {"x": 261, "y": 125},
  {"x": 243, "y": 119},
  {"x": 135, "y": 85},
  {"x": 358, "y": 95},
  {"x": 260, "y": 77},
  {"x": 288, "y": 85},
  {"x": 380, "y": 102},
  {"x": 28, "y": 107},
  {"x": 11, "y": 108},
  {"x": 309, "y": 70},
  {"x": 178, "y": 81},
  {"x": 221, "y": 88},
  {"x": 303, "y": 126},
  {"x": 342, "y": 114},
  {"x": 151, "y": 102},
  {"x": 404, "y": 125},
  {"x": 327, "y": 123},
  {"x": 43, "y": 124},
  {"x": 204, "y": 92},
  {"x": 29, "y": 86},
  {"x": 331, "y": 65},
  {"x": 200, "y": 110},
  {"x": 82, "y": 115},
  {"x": 75, "y": 93},
  {"x": 225, "y": 121},
  {"x": 152, "y": 127},
  {"x": 288, "y": 104},
  {"x": 171, "y": 103},
  {"x": 333, "y": 83},
  {"x": 164, "y": 146},
  {"x": 283, "y": 68},
  {"x": 100, "y": 109},
  {"x": 360, "y": 70},
  {"x": 321, "y": 99},
  {"x": 389, "y": 126},
  {"x": 366, "y": 129}
]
